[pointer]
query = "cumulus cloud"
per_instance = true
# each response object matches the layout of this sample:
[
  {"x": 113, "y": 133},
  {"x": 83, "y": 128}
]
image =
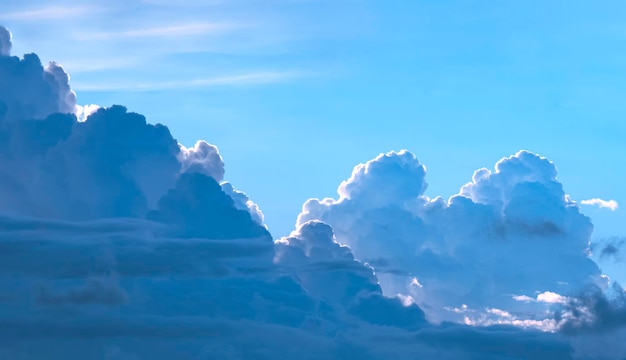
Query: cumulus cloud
[
  {"x": 606, "y": 204},
  {"x": 28, "y": 90},
  {"x": 198, "y": 207},
  {"x": 508, "y": 231},
  {"x": 243, "y": 202},
  {"x": 323, "y": 266},
  {"x": 203, "y": 158}
]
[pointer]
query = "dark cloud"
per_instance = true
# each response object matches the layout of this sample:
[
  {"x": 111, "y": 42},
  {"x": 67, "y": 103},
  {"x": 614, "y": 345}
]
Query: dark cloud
[
  {"x": 198, "y": 207},
  {"x": 96, "y": 290},
  {"x": 380, "y": 310},
  {"x": 114, "y": 164},
  {"x": 610, "y": 248},
  {"x": 594, "y": 311},
  {"x": 28, "y": 90}
]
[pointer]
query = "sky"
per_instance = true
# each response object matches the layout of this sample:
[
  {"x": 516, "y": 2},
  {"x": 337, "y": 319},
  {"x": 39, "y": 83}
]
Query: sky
[{"x": 323, "y": 152}]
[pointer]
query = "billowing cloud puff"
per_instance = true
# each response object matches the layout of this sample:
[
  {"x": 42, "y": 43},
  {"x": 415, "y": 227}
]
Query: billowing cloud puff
[
  {"x": 110, "y": 163},
  {"x": 243, "y": 202},
  {"x": 5, "y": 41},
  {"x": 198, "y": 207},
  {"x": 203, "y": 158},
  {"x": 114, "y": 164},
  {"x": 509, "y": 232},
  {"x": 28, "y": 90},
  {"x": 370, "y": 183},
  {"x": 323, "y": 266}
]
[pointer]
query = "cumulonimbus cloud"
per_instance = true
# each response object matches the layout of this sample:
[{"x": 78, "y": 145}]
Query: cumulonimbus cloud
[{"x": 116, "y": 235}]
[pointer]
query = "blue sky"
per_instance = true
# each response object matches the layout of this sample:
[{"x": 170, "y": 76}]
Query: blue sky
[
  {"x": 283, "y": 87},
  {"x": 295, "y": 94}
]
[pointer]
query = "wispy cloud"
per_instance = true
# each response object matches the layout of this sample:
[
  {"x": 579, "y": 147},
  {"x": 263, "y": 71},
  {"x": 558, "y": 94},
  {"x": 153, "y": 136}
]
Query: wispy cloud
[
  {"x": 183, "y": 3},
  {"x": 201, "y": 28},
  {"x": 255, "y": 78},
  {"x": 100, "y": 64},
  {"x": 49, "y": 13},
  {"x": 608, "y": 204}
]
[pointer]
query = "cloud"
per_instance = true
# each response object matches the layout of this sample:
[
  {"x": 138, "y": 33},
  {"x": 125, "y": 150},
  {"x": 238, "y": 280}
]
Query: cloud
[
  {"x": 244, "y": 79},
  {"x": 606, "y": 204},
  {"x": 508, "y": 231},
  {"x": 96, "y": 290},
  {"x": 243, "y": 202},
  {"x": 190, "y": 29},
  {"x": 594, "y": 310},
  {"x": 609, "y": 248},
  {"x": 323, "y": 266},
  {"x": 31, "y": 91},
  {"x": 176, "y": 30},
  {"x": 203, "y": 158},
  {"x": 551, "y": 298},
  {"x": 82, "y": 112},
  {"x": 49, "y": 13},
  {"x": 117, "y": 241},
  {"x": 5, "y": 41},
  {"x": 198, "y": 207}
]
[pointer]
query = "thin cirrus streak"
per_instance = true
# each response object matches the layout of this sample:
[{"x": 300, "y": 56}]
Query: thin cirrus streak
[
  {"x": 194, "y": 29},
  {"x": 49, "y": 13},
  {"x": 255, "y": 78}
]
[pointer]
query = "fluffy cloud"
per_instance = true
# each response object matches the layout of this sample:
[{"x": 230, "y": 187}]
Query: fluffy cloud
[
  {"x": 323, "y": 266},
  {"x": 203, "y": 158},
  {"x": 28, "y": 90},
  {"x": 508, "y": 231},
  {"x": 243, "y": 202}
]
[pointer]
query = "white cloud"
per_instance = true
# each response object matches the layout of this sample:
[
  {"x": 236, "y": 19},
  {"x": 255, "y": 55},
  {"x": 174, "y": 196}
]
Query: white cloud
[
  {"x": 607, "y": 204},
  {"x": 551, "y": 298},
  {"x": 83, "y": 111},
  {"x": 474, "y": 248},
  {"x": 524, "y": 298}
]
